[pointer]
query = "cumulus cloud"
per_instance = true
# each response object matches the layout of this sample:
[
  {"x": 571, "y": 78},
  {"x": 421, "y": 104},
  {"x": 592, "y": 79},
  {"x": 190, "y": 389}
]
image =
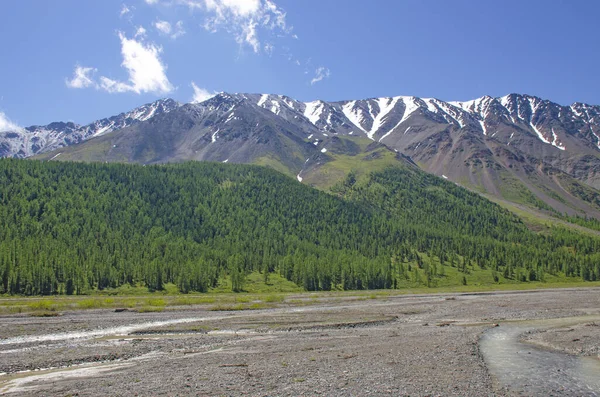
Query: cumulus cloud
[
  {"x": 146, "y": 71},
  {"x": 7, "y": 125},
  {"x": 320, "y": 74},
  {"x": 201, "y": 94},
  {"x": 82, "y": 78},
  {"x": 167, "y": 29}
]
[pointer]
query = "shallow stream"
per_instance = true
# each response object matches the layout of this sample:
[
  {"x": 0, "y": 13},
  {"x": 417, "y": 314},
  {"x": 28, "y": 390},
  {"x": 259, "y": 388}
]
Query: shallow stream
[
  {"x": 88, "y": 334},
  {"x": 525, "y": 369}
]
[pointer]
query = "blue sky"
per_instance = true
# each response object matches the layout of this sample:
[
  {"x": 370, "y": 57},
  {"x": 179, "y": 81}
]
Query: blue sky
[{"x": 82, "y": 60}]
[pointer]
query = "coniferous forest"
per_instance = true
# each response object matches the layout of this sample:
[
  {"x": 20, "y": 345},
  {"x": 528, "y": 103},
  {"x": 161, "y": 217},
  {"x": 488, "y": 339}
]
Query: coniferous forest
[{"x": 68, "y": 228}]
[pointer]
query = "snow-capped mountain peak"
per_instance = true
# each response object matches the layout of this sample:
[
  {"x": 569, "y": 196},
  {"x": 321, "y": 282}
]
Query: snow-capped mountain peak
[
  {"x": 497, "y": 145},
  {"x": 379, "y": 119},
  {"x": 38, "y": 139}
]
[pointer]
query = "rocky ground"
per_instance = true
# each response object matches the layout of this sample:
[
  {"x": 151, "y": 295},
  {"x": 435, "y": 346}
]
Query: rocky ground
[
  {"x": 397, "y": 345},
  {"x": 580, "y": 339}
]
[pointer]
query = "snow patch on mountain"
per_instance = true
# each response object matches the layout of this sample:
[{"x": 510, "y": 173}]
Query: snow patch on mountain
[
  {"x": 507, "y": 103},
  {"x": 539, "y": 134},
  {"x": 275, "y": 107},
  {"x": 483, "y": 129},
  {"x": 576, "y": 111},
  {"x": 385, "y": 106},
  {"x": 430, "y": 105},
  {"x": 449, "y": 112},
  {"x": 410, "y": 106},
  {"x": 313, "y": 111},
  {"x": 479, "y": 108},
  {"x": 263, "y": 99},
  {"x": 555, "y": 141},
  {"x": 355, "y": 115},
  {"x": 596, "y": 135}
]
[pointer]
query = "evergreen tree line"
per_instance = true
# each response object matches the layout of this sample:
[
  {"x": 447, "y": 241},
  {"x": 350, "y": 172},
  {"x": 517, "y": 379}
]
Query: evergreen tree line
[
  {"x": 66, "y": 228},
  {"x": 444, "y": 220}
]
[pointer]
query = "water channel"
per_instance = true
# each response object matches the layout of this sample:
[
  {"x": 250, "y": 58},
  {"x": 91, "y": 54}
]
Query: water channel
[{"x": 525, "y": 369}]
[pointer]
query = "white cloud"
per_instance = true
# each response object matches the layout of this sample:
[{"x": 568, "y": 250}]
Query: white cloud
[
  {"x": 239, "y": 8},
  {"x": 274, "y": 16},
  {"x": 165, "y": 28},
  {"x": 179, "y": 30},
  {"x": 7, "y": 125},
  {"x": 253, "y": 24},
  {"x": 142, "y": 61},
  {"x": 200, "y": 94},
  {"x": 146, "y": 71},
  {"x": 81, "y": 78},
  {"x": 112, "y": 86},
  {"x": 269, "y": 49},
  {"x": 320, "y": 74},
  {"x": 124, "y": 10},
  {"x": 249, "y": 36},
  {"x": 244, "y": 19},
  {"x": 140, "y": 32}
]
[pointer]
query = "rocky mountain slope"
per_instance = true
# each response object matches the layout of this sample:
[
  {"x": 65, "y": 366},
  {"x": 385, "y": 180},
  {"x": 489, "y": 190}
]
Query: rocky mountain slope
[
  {"x": 39, "y": 139},
  {"x": 517, "y": 148}
]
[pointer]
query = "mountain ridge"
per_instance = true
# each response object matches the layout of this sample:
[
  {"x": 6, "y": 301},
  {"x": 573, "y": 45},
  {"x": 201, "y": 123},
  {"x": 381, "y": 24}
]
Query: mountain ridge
[
  {"x": 510, "y": 105},
  {"x": 41, "y": 138},
  {"x": 520, "y": 148}
]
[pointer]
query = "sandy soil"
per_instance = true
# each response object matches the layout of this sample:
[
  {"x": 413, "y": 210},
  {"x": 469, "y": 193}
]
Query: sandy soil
[{"x": 398, "y": 346}]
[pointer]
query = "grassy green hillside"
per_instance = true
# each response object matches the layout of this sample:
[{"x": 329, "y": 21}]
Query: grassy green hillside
[{"x": 74, "y": 228}]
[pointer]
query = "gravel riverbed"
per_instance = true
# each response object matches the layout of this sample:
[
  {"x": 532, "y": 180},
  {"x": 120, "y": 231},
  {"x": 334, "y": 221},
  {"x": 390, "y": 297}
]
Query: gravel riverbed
[{"x": 405, "y": 345}]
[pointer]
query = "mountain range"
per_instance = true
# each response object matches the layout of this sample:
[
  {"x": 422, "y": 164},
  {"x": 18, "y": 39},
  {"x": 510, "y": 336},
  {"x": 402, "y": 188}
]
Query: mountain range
[
  {"x": 38, "y": 139},
  {"x": 518, "y": 149}
]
